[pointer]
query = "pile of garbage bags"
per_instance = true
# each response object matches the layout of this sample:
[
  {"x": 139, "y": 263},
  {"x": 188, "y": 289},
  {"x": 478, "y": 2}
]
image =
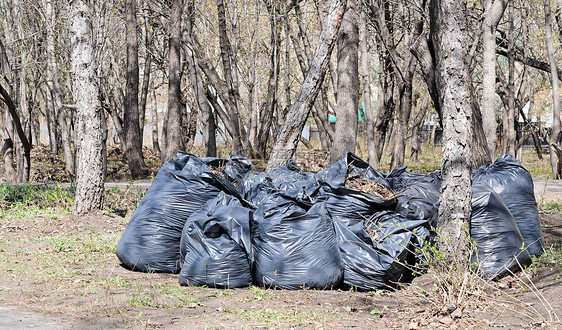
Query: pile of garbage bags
[{"x": 218, "y": 224}]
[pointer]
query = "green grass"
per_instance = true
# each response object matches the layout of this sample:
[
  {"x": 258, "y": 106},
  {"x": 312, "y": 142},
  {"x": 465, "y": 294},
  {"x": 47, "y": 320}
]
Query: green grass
[
  {"x": 551, "y": 207},
  {"x": 36, "y": 196},
  {"x": 551, "y": 257}
]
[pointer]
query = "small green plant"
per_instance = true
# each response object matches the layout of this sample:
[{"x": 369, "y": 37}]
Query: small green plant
[
  {"x": 259, "y": 294},
  {"x": 379, "y": 311},
  {"x": 136, "y": 301},
  {"x": 552, "y": 207}
]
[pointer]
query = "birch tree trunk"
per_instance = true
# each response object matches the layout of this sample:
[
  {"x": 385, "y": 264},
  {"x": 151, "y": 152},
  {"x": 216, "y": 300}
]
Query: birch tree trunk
[
  {"x": 289, "y": 135},
  {"x": 52, "y": 75},
  {"x": 555, "y": 137},
  {"x": 448, "y": 33},
  {"x": 89, "y": 173},
  {"x": 348, "y": 85}
]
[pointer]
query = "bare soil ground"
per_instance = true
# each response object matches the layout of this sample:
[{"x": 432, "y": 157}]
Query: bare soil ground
[
  {"x": 59, "y": 271},
  {"x": 62, "y": 272}
]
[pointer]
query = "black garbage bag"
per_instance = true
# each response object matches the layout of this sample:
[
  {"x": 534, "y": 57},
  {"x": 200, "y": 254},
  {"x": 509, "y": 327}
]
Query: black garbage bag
[
  {"x": 234, "y": 167},
  {"x": 514, "y": 184},
  {"x": 150, "y": 243},
  {"x": 294, "y": 247},
  {"x": 498, "y": 240},
  {"x": 289, "y": 181},
  {"x": 419, "y": 201},
  {"x": 353, "y": 206},
  {"x": 383, "y": 260},
  {"x": 400, "y": 179},
  {"x": 215, "y": 247},
  {"x": 350, "y": 166}
]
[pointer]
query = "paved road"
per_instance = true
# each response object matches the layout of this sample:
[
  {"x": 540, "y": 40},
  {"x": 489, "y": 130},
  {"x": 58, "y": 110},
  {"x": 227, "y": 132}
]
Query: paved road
[{"x": 548, "y": 190}]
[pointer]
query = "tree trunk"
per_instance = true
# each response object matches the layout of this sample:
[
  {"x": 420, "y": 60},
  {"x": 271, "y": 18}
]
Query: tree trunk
[
  {"x": 385, "y": 109},
  {"x": 509, "y": 126},
  {"x": 271, "y": 100},
  {"x": 226, "y": 56},
  {"x": 415, "y": 130},
  {"x": 133, "y": 138},
  {"x": 492, "y": 15},
  {"x": 289, "y": 135},
  {"x": 89, "y": 173},
  {"x": 65, "y": 123},
  {"x": 448, "y": 34},
  {"x": 319, "y": 110},
  {"x": 154, "y": 112},
  {"x": 174, "y": 140},
  {"x": 8, "y": 148},
  {"x": 146, "y": 77},
  {"x": 207, "y": 118},
  {"x": 371, "y": 143},
  {"x": 555, "y": 137},
  {"x": 53, "y": 93},
  {"x": 348, "y": 85}
]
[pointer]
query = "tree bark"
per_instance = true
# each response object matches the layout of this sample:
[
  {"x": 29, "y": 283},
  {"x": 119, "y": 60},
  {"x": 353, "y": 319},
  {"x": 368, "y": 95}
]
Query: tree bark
[
  {"x": 53, "y": 93},
  {"x": 348, "y": 85},
  {"x": 133, "y": 137},
  {"x": 207, "y": 118},
  {"x": 226, "y": 56},
  {"x": 509, "y": 126},
  {"x": 90, "y": 180},
  {"x": 448, "y": 34},
  {"x": 289, "y": 135},
  {"x": 416, "y": 125},
  {"x": 320, "y": 108},
  {"x": 555, "y": 137},
  {"x": 271, "y": 100},
  {"x": 174, "y": 140},
  {"x": 154, "y": 113},
  {"x": 8, "y": 148},
  {"x": 492, "y": 15}
]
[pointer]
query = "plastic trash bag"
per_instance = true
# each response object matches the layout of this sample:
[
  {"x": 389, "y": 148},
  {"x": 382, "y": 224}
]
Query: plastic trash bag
[
  {"x": 294, "y": 247},
  {"x": 419, "y": 201},
  {"x": 150, "y": 243},
  {"x": 234, "y": 167},
  {"x": 215, "y": 247},
  {"x": 400, "y": 179},
  {"x": 379, "y": 263},
  {"x": 498, "y": 240},
  {"x": 350, "y": 165},
  {"x": 289, "y": 181},
  {"x": 514, "y": 184}
]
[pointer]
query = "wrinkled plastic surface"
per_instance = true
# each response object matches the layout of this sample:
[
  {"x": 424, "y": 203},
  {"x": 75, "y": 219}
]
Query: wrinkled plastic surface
[
  {"x": 234, "y": 167},
  {"x": 150, "y": 243},
  {"x": 215, "y": 247},
  {"x": 350, "y": 165},
  {"x": 514, "y": 184},
  {"x": 288, "y": 181},
  {"x": 294, "y": 247},
  {"x": 380, "y": 262},
  {"x": 399, "y": 179},
  {"x": 498, "y": 240},
  {"x": 419, "y": 201}
]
